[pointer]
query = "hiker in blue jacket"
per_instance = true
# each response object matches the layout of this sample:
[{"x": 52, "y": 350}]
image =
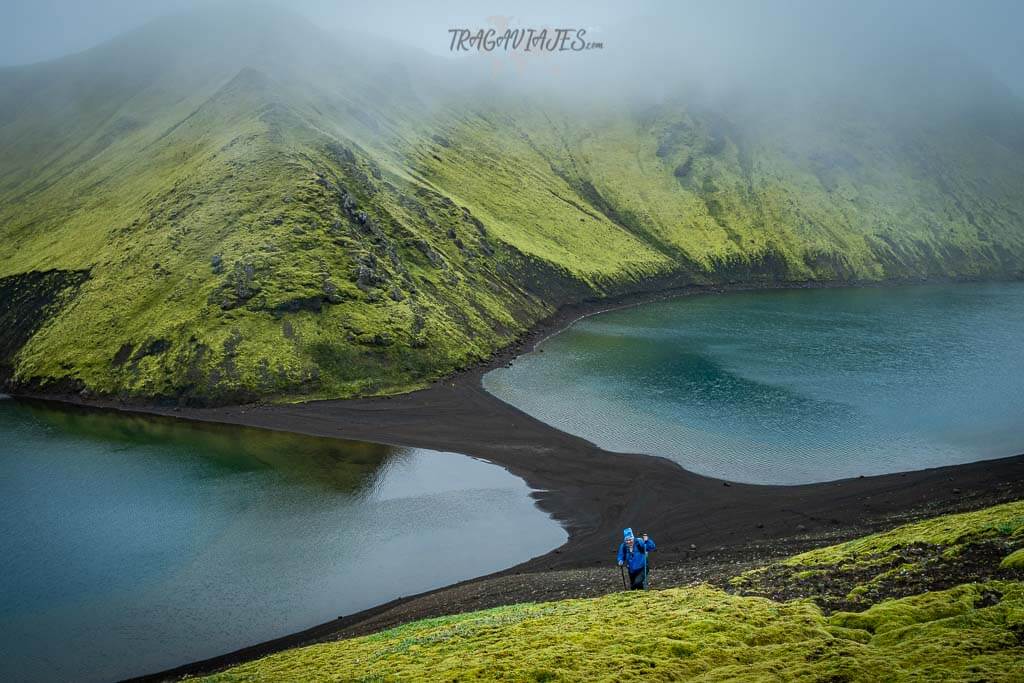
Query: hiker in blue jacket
[{"x": 633, "y": 554}]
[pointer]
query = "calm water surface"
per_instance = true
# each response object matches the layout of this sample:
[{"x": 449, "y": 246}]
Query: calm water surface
[
  {"x": 791, "y": 386},
  {"x": 131, "y": 544}
]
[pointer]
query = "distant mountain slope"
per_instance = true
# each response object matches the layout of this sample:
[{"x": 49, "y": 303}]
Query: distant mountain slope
[{"x": 247, "y": 206}]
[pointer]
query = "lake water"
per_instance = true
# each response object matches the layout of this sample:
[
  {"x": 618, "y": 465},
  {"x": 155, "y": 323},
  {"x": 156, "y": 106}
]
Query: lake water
[
  {"x": 795, "y": 386},
  {"x": 131, "y": 544}
]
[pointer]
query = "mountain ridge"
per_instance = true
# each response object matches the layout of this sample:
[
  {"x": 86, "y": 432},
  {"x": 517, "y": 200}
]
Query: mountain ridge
[{"x": 305, "y": 219}]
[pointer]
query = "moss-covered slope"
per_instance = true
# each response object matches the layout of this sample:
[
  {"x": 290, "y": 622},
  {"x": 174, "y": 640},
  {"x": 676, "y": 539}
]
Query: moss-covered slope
[
  {"x": 264, "y": 209},
  {"x": 970, "y": 631}
]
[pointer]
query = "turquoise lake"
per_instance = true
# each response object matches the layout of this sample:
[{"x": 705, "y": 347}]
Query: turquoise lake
[
  {"x": 132, "y": 544},
  {"x": 790, "y": 386}
]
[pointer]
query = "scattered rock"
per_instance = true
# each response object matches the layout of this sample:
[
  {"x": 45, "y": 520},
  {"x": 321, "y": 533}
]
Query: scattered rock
[
  {"x": 683, "y": 170},
  {"x": 988, "y": 598},
  {"x": 304, "y": 303},
  {"x": 365, "y": 277},
  {"x": 331, "y": 293},
  {"x": 428, "y": 251},
  {"x": 242, "y": 280},
  {"x": 123, "y": 354},
  {"x": 153, "y": 348}
]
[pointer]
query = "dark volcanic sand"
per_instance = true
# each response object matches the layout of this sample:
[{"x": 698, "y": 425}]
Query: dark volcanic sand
[
  {"x": 595, "y": 493},
  {"x": 706, "y": 529}
]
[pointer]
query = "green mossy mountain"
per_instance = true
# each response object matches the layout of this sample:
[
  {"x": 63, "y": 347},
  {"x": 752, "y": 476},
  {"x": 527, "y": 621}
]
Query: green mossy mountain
[{"x": 230, "y": 207}]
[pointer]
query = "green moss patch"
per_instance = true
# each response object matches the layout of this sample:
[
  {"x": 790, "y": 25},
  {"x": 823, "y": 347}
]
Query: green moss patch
[
  {"x": 1014, "y": 560},
  {"x": 936, "y": 553},
  {"x": 682, "y": 634}
]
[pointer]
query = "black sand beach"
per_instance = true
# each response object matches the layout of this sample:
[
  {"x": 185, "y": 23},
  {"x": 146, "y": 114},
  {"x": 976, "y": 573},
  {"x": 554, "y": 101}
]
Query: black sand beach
[{"x": 707, "y": 529}]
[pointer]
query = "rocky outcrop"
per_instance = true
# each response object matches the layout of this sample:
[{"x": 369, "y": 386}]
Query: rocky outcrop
[{"x": 27, "y": 302}]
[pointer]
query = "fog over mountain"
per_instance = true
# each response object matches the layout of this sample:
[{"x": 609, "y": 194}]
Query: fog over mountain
[
  {"x": 700, "y": 36},
  {"x": 238, "y": 199}
]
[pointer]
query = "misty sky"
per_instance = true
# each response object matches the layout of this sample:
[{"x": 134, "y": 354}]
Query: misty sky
[{"x": 986, "y": 31}]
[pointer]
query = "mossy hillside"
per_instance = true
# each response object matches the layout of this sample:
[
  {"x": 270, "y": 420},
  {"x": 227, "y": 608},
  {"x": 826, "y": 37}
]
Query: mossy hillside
[
  {"x": 315, "y": 282},
  {"x": 531, "y": 208},
  {"x": 969, "y": 631},
  {"x": 259, "y": 256},
  {"x": 857, "y": 200},
  {"x": 696, "y": 633},
  {"x": 272, "y": 213},
  {"x": 953, "y": 532},
  {"x": 942, "y": 552}
]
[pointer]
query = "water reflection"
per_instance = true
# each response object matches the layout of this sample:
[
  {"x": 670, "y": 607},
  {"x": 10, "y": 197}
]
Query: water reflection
[
  {"x": 130, "y": 543},
  {"x": 341, "y": 464}
]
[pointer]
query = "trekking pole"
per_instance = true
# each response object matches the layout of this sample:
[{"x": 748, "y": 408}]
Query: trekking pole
[
  {"x": 622, "y": 570},
  {"x": 646, "y": 585}
]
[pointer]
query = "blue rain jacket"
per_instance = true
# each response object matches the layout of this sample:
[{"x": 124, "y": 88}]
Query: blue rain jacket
[{"x": 634, "y": 559}]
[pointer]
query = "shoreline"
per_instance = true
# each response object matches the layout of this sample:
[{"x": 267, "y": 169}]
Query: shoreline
[
  {"x": 570, "y": 313},
  {"x": 591, "y": 492}
]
